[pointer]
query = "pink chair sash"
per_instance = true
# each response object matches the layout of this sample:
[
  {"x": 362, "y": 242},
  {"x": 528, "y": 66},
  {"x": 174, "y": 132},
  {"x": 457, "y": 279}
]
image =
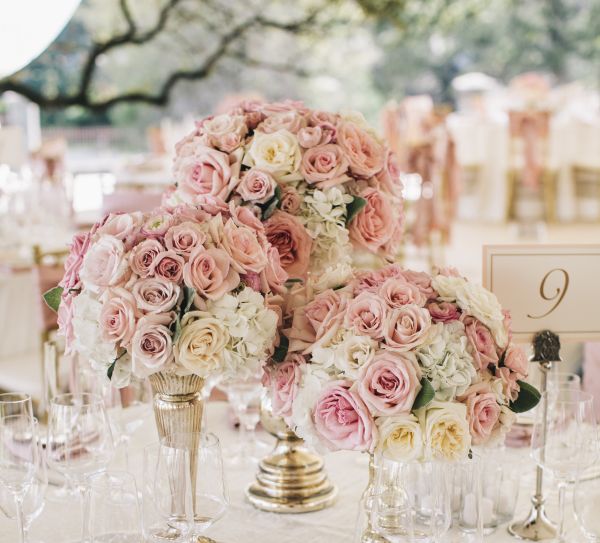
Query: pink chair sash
[
  {"x": 126, "y": 201},
  {"x": 45, "y": 278},
  {"x": 591, "y": 373}
]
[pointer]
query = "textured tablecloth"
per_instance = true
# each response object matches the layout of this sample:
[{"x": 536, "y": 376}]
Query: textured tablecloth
[{"x": 60, "y": 523}]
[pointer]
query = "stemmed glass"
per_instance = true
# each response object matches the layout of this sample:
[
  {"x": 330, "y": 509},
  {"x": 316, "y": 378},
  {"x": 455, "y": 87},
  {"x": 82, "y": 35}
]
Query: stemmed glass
[
  {"x": 15, "y": 403},
  {"x": 19, "y": 460},
  {"x": 244, "y": 396},
  {"x": 586, "y": 501},
  {"x": 79, "y": 441},
  {"x": 565, "y": 442}
]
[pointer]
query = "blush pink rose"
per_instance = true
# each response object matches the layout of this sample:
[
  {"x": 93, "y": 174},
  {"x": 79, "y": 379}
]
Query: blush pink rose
[
  {"x": 287, "y": 234},
  {"x": 155, "y": 294},
  {"x": 225, "y": 132},
  {"x": 79, "y": 247},
  {"x": 364, "y": 153},
  {"x": 242, "y": 245},
  {"x": 245, "y": 216},
  {"x": 273, "y": 108},
  {"x": 397, "y": 292},
  {"x": 406, "y": 327},
  {"x": 481, "y": 343},
  {"x": 168, "y": 265},
  {"x": 373, "y": 226},
  {"x": 325, "y": 166},
  {"x": 318, "y": 117},
  {"x": 422, "y": 280},
  {"x": 210, "y": 272},
  {"x": 289, "y": 120},
  {"x": 205, "y": 173},
  {"x": 507, "y": 323},
  {"x": 343, "y": 420},
  {"x": 290, "y": 200},
  {"x": 213, "y": 205},
  {"x": 143, "y": 255},
  {"x": 151, "y": 346},
  {"x": 157, "y": 224},
  {"x": 273, "y": 277},
  {"x": 483, "y": 412},
  {"x": 118, "y": 317},
  {"x": 123, "y": 226},
  {"x": 389, "y": 176},
  {"x": 372, "y": 280},
  {"x": 389, "y": 383},
  {"x": 326, "y": 314},
  {"x": 256, "y": 186},
  {"x": 510, "y": 386},
  {"x": 184, "y": 238},
  {"x": 443, "y": 311},
  {"x": 516, "y": 361},
  {"x": 283, "y": 381},
  {"x": 310, "y": 136},
  {"x": 105, "y": 263},
  {"x": 366, "y": 315}
]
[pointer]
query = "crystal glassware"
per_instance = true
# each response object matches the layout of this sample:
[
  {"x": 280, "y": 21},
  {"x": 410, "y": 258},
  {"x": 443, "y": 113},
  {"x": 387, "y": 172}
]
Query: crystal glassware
[
  {"x": 113, "y": 508},
  {"x": 565, "y": 442},
  {"x": 586, "y": 502},
  {"x": 15, "y": 403},
  {"x": 19, "y": 461}
]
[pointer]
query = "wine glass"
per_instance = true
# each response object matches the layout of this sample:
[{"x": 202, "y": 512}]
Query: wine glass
[
  {"x": 15, "y": 403},
  {"x": 167, "y": 510},
  {"x": 79, "y": 440},
  {"x": 586, "y": 501},
  {"x": 565, "y": 441},
  {"x": 113, "y": 508},
  {"x": 208, "y": 483},
  {"x": 19, "y": 459},
  {"x": 244, "y": 396}
]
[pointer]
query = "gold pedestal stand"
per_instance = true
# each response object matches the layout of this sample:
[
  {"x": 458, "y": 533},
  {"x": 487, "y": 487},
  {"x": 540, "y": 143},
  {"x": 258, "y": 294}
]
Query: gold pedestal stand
[{"x": 291, "y": 479}]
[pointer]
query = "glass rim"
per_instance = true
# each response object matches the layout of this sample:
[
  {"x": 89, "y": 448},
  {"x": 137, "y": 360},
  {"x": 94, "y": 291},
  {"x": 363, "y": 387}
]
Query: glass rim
[
  {"x": 88, "y": 398},
  {"x": 582, "y": 395},
  {"x": 207, "y": 440},
  {"x": 111, "y": 475},
  {"x": 23, "y": 399}
]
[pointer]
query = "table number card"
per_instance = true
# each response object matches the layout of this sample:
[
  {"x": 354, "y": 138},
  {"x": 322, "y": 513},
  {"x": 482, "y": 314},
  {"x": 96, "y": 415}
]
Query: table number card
[{"x": 554, "y": 287}]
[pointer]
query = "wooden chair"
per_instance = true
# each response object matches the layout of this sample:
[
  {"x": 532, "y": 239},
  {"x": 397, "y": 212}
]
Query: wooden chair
[{"x": 586, "y": 182}]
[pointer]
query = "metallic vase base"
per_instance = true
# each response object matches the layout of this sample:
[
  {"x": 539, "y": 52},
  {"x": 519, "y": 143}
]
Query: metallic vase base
[
  {"x": 369, "y": 536},
  {"x": 536, "y": 527}
]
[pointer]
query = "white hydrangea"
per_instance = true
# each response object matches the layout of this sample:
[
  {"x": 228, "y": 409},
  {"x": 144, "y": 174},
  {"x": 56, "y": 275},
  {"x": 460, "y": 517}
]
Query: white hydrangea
[
  {"x": 446, "y": 361},
  {"x": 331, "y": 276}
]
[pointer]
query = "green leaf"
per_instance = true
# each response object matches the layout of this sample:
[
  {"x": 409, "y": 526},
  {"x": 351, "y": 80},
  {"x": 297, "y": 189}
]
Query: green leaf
[
  {"x": 270, "y": 208},
  {"x": 111, "y": 369},
  {"x": 354, "y": 207},
  {"x": 189, "y": 294},
  {"x": 52, "y": 298},
  {"x": 281, "y": 351},
  {"x": 425, "y": 395},
  {"x": 529, "y": 397},
  {"x": 278, "y": 193},
  {"x": 176, "y": 328}
]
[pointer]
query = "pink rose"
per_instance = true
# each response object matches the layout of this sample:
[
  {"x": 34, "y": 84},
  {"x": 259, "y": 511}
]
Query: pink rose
[
  {"x": 273, "y": 277},
  {"x": 205, "y": 173},
  {"x": 123, "y": 226},
  {"x": 244, "y": 216},
  {"x": 373, "y": 226},
  {"x": 326, "y": 314},
  {"x": 225, "y": 132},
  {"x": 325, "y": 165},
  {"x": 155, "y": 294},
  {"x": 79, "y": 247},
  {"x": 143, "y": 255},
  {"x": 507, "y": 323},
  {"x": 364, "y": 153},
  {"x": 366, "y": 315},
  {"x": 274, "y": 108},
  {"x": 443, "y": 311},
  {"x": 510, "y": 387},
  {"x": 372, "y": 280},
  {"x": 157, "y": 224},
  {"x": 323, "y": 119},
  {"x": 213, "y": 205},
  {"x": 398, "y": 292},
  {"x": 422, "y": 280},
  {"x": 65, "y": 321},
  {"x": 406, "y": 327},
  {"x": 342, "y": 419},
  {"x": 184, "y": 238},
  {"x": 290, "y": 200},
  {"x": 241, "y": 244},
  {"x": 209, "y": 271},
  {"x": 389, "y": 383},
  {"x": 310, "y": 136},
  {"x": 389, "y": 177},
  {"x": 251, "y": 280},
  {"x": 169, "y": 266},
  {"x": 283, "y": 381},
  {"x": 256, "y": 186},
  {"x": 289, "y": 120},
  {"x": 118, "y": 317},
  {"x": 105, "y": 263},
  {"x": 287, "y": 234},
  {"x": 481, "y": 343},
  {"x": 516, "y": 361},
  {"x": 483, "y": 412},
  {"x": 151, "y": 346}
]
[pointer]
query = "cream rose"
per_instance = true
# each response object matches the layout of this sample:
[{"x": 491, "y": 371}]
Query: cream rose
[
  {"x": 277, "y": 153},
  {"x": 400, "y": 437},
  {"x": 446, "y": 429}
]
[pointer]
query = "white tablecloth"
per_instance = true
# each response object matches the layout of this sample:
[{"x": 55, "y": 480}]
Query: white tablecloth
[{"x": 59, "y": 523}]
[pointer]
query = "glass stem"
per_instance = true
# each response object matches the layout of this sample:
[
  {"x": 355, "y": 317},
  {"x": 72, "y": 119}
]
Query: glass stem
[
  {"x": 562, "y": 489},
  {"x": 20, "y": 518},
  {"x": 85, "y": 513},
  {"x": 243, "y": 428}
]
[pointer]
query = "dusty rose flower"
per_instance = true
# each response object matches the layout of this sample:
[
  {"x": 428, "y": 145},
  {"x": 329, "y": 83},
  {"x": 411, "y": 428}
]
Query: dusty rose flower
[
  {"x": 155, "y": 294},
  {"x": 245, "y": 216},
  {"x": 273, "y": 277},
  {"x": 389, "y": 383},
  {"x": 118, "y": 317},
  {"x": 287, "y": 234},
  {"x": 516, "y": 360},
  {"x": 79, "y": 247},
  {"x": 421, "y": 280},
  {"x": 406, "y": 327},
  {"x": 373, "y": 279},
  {"x": 290, "y": 200},
  {"x": 481, "y": 343},
  {"x": 256, "y": 186},
  {"x": 389, "y": 176},
  {"x": 326, "y": 314},
  {"x": 151, "y": 346},
  {"x": 143, "y": 255},
  {"x": 283, "y": 380},
  {"x": 289, "y": 120},
  {"x": 443, "y": 311},
  {"x": 324, "y": 165},
  {"x": 242, "y": 245},
  {"x": 374, "y": 225},
  {"x": 342, "y": 419},
  {"x": 366, "y": 315},
  {"x": 251, "y": 280},
  {"x": 310, "y": 136},
  {"x": 319, "y": 118},
  {"x": 483, "y": 412},
  {"x": 184, "y": 238},
  {"x": 210, "y": 272},
  {"x": 397, "y": 292},
  {"x": 169, "y": 266},
  {"x": 364, "y": 153}
]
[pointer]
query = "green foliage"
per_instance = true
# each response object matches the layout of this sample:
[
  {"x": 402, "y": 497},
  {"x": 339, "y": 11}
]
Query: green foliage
[
  {"x": 282, "y": 349},
  {"x": 425, "y": 395},
  {"x": 354, "y": 207},
  {"x": 52, "y": 298},
  {"x": 529, "y": 397}
]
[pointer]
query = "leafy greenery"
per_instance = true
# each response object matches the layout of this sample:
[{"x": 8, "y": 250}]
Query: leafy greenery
[
  {"x": 425, "y": 395},
  {"x": 529, "y": 397},
  {"x": 354, "y": 207},
  {"x": 111, "y": 369},
  {"x": 282, "y": 349},
  {"x": 52, "y": 298}
]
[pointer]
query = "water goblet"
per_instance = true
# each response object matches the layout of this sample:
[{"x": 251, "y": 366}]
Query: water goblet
[
  {"x": 15, "y": 403},
  {"x": 586, "y": 502}
]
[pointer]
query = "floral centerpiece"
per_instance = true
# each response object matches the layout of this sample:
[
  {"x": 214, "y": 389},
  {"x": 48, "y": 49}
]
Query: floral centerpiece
[
  {"x": 403, "y": 363},
  {"x": 324, "y": 185}
]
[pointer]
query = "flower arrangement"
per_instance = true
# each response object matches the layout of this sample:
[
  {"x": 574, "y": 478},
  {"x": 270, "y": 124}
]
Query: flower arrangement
[
  {"x": 182, "y": 291},
  {"x": 324, "y": 185},
  {"x": 402, "y": 363}
]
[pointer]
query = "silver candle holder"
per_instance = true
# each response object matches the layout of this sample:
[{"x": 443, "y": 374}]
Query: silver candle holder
[{"x": 537, "y": 526}]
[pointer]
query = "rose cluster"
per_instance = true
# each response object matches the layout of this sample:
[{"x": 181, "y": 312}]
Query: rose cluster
[
  {"x": 400, "y": 362},
  {"x": 324, "y": 185},
  {"x": 184, "y": 291}
]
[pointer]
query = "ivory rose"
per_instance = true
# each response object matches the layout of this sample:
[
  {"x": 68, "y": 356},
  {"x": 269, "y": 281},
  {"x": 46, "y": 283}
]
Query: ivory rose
[
  {"x": 210, "y": 272},
  {"x": 367, "y": 315},
  {"x": 325, "y": 166},
  {"x": 286, "y": 233},
  {"x": 483, "y": 412},
  {"x": 104, "y": 264},
  {"x": 343, "y": 420},
  {"x": 143, "y": 255},
  {"x": 277, "y": 153},
  {"x": 374, "y": 225},
  {"x": 365, "y": 154},
  {"x": 389, "y": 383},
  {"x": 119, "y": 316},
  {"x": 400, "y": 437},
  {"x": 151, "y": 345},
  {"x": 406, "y": 327},
  {"x": 256, "y": 186},
  {"x": 446, "y": 430},
  {"x": 155, "y": 294}
]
